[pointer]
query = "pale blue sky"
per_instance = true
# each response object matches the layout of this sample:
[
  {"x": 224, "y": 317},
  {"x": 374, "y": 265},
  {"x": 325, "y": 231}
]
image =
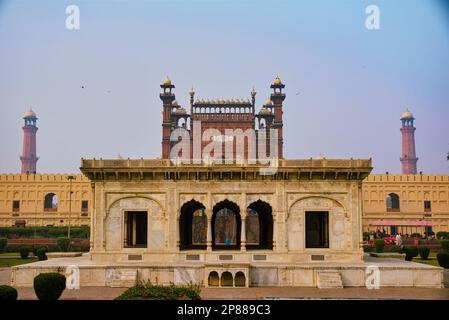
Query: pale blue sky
[{"x": 353, "y": 83}]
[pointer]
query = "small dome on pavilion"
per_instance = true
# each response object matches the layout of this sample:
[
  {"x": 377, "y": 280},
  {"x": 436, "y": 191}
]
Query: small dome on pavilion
[
  {"x": 181, "y": 111},
  {"x": 29, "y": 114},
  {"x": 268, "y": 102},
  {"x": 407, "y": 115},
  {"x": 265, "y": 111},
  {"x": 174, "y": 103}
]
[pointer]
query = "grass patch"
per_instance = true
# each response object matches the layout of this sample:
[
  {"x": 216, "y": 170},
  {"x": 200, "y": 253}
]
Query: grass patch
[
  {"x": 9, "y": 254},
  {"x": 432, "y": 260},
  {"x": 15, "y": 262}
]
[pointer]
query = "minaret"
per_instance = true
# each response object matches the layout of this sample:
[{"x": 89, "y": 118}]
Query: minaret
[
  {"x": 29, "y": 158},
  {"x": 167, "y": 97},
  {"x": 408, "y": 158},
  {"x": 277, "y": 97}
]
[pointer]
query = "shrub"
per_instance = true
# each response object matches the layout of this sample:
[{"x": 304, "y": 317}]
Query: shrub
[
  {"x": 442, "y": 235},
  {"x": 63, "y": 244},
  {"x": 148, "y": 291},
  {"x": 24, "y": 252},
  {"x": 7, "y": 293},
  {"x": 410, "y": 253},
  {"x": 444, "y": 246},
  {"x": 443, "y": 260},
  {"x": 392, "y": 248},
  {"x": 49, "y": 286},
  {"x": 41, "y": 254},
  {"x": 43, "y": 232},
  {"x": 367, "y": 248},
  {"x": 379, "y": 244},
  {"x": 423, "y": 252},
  {"x": 3, "y": 243}
]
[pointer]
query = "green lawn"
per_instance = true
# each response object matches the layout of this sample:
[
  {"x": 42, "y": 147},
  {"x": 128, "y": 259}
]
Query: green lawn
[
  {"x": 15, "y": 262},
  {"x": 10, "y": 254},
  {"x": 431, "y": 260}
]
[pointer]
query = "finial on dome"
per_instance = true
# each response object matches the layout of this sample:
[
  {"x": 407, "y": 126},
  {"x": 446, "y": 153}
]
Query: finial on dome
[
  {"x": 167, "y": 81},
  {"x": 253, "y": 92},
  {"x": 277, "y": 81}
]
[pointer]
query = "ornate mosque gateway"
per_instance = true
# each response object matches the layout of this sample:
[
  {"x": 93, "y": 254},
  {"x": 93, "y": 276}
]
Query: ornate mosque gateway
[{"x": 227, "y": 224}]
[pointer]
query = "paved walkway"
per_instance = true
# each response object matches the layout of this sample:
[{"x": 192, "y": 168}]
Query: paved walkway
[{"x": 106, "y": 293}]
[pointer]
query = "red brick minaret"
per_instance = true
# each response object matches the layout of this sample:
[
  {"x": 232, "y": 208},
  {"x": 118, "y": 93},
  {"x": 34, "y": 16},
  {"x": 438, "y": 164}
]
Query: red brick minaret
[
  {"x": 167, "y": 97},
  {"x": 29, "y": 158},
  {"x": 278, "y": 98},
  {"x": 408, "y": 158}
]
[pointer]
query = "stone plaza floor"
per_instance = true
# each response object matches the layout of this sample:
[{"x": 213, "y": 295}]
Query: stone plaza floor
[{"x": 107, "y": 293}]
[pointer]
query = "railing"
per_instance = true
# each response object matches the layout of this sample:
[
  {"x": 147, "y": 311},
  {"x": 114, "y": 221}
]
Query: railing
[{"x": 151, "y": 163}]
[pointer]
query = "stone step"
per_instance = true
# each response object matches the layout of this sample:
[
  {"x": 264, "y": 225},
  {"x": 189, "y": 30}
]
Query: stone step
[
  {"x": 329, "y": 279},
  {"x": 123, "y": 278}
]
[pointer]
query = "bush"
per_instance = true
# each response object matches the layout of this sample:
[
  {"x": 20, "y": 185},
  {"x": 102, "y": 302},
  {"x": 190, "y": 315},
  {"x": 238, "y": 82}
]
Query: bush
[
  {"x": 443, "y": 260},
  {"x": 147, "y": 291},
  {"x": 49, "y": 286},
  {"x": 392, "y": 248},
  {"x": 367, "y": 248},
  {"x": 43, "y": 232},
  {"x": 41, "y": 254},
  {"x": 424, "y": 252},
  {"x": 442, "y": 235},
  {"x": 24, "y": 252},
  {"x": 379, "y": 244},
  {"x": 3, "y": 243},
  {"x": 410, "y": 253},
  {"x": 7, "y": 293},
  {"x": 444, "y": 246},
  {"x": 63, "y": 244}
]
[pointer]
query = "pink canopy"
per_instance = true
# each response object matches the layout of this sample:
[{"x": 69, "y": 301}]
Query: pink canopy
[{"x": 416, "y": 223}]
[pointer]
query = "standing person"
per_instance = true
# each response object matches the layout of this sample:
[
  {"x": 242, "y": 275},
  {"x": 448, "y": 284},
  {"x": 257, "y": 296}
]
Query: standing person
[{"x": 399, "y": 240}]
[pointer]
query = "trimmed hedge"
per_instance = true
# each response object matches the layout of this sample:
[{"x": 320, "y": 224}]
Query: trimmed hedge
[
  {"x": 49, "y": 286},
  {"x": 442, "y": 235},
  {"x": 41, "y": 254},
  {"x": 367, "y": 248},
  {"x": 63, "y": 244},
  {"x": 3, "y": 243},
  {"x": 379, "y": 244},
  {"x": 423, "y": 252},
  {"x": 148, "y": 291},
  {"x": 44, "y": 232},
  {"x": 444, "y": 246},
  {"x": 24, "y": 252},
  {"x": 7, "y": 293},
  {"x": 443, "y": 260},
  {"x": 410, "y": 253},
  {"x": 76, "y": 247}
]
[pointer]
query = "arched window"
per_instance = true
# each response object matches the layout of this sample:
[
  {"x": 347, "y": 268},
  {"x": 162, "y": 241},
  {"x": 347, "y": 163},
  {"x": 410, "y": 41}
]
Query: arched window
[
  {"x": 193, "y": 226},
  {"x": 259, "y": 226},
  {"x": 226, "y": 225},
  {"x": 213, "y": 279},
  {"x": 240, "y": 280},
  {"x": 392, "y": 202},
  {"x": 50, "y": 202},
  {"x": 226, "y": 279}
]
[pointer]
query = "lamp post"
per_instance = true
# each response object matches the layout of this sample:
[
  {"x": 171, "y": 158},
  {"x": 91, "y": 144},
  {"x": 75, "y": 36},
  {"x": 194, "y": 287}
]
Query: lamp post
[{"x": 70, "y": 178}]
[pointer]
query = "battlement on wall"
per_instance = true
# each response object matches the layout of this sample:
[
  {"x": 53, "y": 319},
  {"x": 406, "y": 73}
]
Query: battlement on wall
[
  {"x": 41, "y": 177},
  {"x": 407, "y": 178}
]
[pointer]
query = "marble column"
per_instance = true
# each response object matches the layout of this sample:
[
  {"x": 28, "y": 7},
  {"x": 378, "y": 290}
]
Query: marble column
[
  {"x": 209, "y": 233},
  {"x": 243, "y": 234}
]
